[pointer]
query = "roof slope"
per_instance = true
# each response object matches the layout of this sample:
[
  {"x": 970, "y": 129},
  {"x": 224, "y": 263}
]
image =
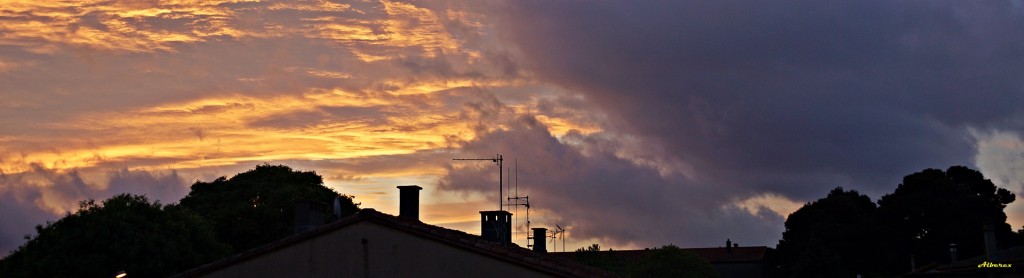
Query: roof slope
[
  {"x": 510, "y": 253},
  {"x": 970, "y": 266}
]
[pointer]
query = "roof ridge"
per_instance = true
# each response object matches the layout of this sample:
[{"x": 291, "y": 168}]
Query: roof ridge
[{"x": 509, "y": 252}]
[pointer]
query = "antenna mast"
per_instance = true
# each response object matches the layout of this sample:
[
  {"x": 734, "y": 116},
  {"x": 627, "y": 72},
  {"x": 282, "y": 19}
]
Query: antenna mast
[
  {"x": 561, "y": 233},
  {"x": 516, "y": 205},
  {"x": 497, "y": 159},
  {"x": 555, "y": 235}
]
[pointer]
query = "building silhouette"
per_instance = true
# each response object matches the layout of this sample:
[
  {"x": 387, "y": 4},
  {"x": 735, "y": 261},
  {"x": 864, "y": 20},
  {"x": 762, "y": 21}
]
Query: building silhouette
[
  {"x": 375, "y": 244},
  {"x": 729, "y": 261}
]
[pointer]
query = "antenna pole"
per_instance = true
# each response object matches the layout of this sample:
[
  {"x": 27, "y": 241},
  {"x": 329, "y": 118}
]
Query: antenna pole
[
  {"x": 515, "y": 201},
  {"x": 558, "y": 234},
  {"x": 497, "y": 159}
]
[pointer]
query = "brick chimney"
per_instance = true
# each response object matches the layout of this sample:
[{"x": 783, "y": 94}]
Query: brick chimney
[
  {"x": 409, "y": 202},
  {"x": 496, "y": 226},
  {"x": 728, "y": 246},
  {"x": 540, "y": 242}
]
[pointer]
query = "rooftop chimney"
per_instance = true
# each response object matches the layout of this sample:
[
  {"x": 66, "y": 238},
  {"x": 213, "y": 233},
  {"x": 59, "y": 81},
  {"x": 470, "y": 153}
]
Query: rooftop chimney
[
  {"x": 496, "y": 226},
  {"x": 409, "y": 202},
  {"x": 990, "y": 242},
  {"x": 540, "y": 243},
  {"x": 728, "y": 246}
]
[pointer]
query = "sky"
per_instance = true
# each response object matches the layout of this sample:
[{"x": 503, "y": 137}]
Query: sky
[{"x": 630, "y": 123}]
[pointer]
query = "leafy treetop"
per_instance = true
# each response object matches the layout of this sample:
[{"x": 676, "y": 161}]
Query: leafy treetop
[
  {"x": 126, "y": 233},
  {"x": 257, "y": 207}
]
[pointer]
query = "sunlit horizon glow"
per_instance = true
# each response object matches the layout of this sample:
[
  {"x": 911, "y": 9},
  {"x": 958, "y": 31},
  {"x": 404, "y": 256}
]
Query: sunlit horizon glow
[
  {"x": 104, "y": 97},
  {"x": 355, "y": 106}
]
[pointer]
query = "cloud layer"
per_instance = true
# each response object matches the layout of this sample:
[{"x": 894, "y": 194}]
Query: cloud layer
[
  {"x": 600, "y": 195},
  {"x": 788, "y": 97},
  {"x": 636, "y": 124},
  {"x": 34, "y": 197}
]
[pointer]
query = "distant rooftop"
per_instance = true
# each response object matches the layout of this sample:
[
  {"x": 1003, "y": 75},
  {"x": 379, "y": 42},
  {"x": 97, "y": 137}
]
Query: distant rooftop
[
  {"x": 711, "y": 254},
  {"x": 512, "y": 253}
]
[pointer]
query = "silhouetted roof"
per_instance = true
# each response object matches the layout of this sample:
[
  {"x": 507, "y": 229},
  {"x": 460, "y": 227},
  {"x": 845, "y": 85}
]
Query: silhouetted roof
[
  {"x": 969, "y": 266},
  {"x": 713, "y": 255},
  {"x": 510, "y": 253},
  {"x": 737, "y": 254}
]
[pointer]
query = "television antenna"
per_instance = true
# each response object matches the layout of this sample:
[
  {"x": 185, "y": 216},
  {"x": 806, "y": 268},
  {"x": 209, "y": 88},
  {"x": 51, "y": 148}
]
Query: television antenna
[
  {"x": 513, "y": 203},
  {"x": 561, "y": 233},
  {"x": 497, "y": 159},
  {"x": 555, "y": 235}
]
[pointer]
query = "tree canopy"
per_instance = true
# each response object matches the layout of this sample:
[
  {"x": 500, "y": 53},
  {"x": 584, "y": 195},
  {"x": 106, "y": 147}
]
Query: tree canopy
[
  {"x": 129, "y": 233},
  {"x": 666, "y": 261},
  {"x": 932, "y": 209},
  {"x": 927, "y": 212},
  {"x": 257, "y": 206},
  {"x": 124, "y": 233},
  {"x": 843, "y": 222},
  {"x": 671, "y": 261}
]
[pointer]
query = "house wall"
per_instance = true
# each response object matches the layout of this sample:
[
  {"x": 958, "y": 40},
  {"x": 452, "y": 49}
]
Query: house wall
[{"x": 386, "y": 253}]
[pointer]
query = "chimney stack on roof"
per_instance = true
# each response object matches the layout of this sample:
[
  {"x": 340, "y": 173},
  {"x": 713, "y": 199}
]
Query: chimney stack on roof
[
  {"x": 540, "y": 243},
  {"x": 409, "y": 202},
  {"x": 728, "y": 246},
  {"x": 496, "y": 226}
]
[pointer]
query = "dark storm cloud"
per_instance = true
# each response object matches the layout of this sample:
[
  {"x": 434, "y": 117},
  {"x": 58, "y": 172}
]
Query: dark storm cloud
[
  {"x": 584, "y": 182},
  {"x": 20, "y": 216},
  {"x": 604, "y": 197},
  {"x": 34, "y": 197},
  {"x": 31, "y": 198},
  {"x": 787, "y": 97},
  {"x": 166, "y": 188}
]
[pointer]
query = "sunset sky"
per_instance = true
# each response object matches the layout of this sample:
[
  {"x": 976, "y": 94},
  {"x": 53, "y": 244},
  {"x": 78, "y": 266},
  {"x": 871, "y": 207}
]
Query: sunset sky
[{"x": 634, "y": 124}]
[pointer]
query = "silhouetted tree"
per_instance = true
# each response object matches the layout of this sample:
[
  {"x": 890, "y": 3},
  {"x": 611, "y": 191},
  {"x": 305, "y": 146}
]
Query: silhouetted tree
[
  {"x": 932, "y": 209},
  {"x": 840, "y": 231},
  {"x": 927, "y": 212},
  {"x": 667, "y": 261},
  {"x": 816, "y": 260},
  {"x": 125, "y": 233},
  {"x": 670, "y": 261},
  {"x": 592, "y": 256},
  {"x": 257, "y": 207}
]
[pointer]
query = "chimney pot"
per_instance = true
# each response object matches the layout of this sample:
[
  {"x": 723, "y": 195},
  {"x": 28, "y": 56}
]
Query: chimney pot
[
  {"x": 409, "y": 202},
  {"x": 540, "y": 243}
]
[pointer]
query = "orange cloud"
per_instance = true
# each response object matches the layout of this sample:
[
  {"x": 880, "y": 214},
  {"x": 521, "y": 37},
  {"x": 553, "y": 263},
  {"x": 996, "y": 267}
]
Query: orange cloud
[{"x": 367, "y": 93}]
